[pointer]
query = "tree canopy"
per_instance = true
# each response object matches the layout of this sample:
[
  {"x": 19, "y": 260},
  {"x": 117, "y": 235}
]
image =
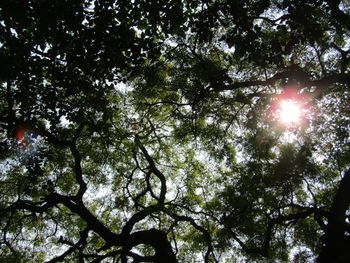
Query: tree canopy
[{"x": 152, "y": 131}]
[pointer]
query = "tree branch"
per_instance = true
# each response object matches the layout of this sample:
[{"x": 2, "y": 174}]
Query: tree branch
[
  {"x": 155, "y": 171},
  {"x": 83, "y": 237},
  {"x": 78, "y": 171},
  {"x": 157, "y": 239},
  {"x": 137, "y": 218},
  {"x": 201, "y": 229},
  {"x": 321, "y": 84},
  {"x": 264, "y": 250},
  {"x": 336, "y": 246}
]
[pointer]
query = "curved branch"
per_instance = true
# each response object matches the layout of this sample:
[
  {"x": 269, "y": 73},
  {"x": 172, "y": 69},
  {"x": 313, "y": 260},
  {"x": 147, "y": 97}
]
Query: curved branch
[
  {"x": 152, "y": 168},
  {"x": 38, "y": 207},
  {"x": 201, "y": 229},
  {"x": 157, "y": 239},
  {"x": 137, "y": 218},
  {"x": 94, "y": 224}
]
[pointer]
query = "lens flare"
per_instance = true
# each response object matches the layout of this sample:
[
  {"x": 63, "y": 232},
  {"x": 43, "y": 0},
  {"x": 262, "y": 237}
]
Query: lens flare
[
  {"x": 291, "y": 109},
  {"x": 19, "y": 134},
  {"x": 27, "y": 141},
  {"x": 290, "y": 112}
]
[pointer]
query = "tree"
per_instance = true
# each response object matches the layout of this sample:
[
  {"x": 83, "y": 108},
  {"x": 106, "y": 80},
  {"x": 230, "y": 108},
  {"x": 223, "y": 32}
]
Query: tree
[{"x": 139, "y": 131}]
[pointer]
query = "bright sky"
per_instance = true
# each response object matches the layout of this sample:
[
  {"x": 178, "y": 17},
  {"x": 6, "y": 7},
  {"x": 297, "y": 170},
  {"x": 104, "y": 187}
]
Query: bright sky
[{"x": 290, "y": 112}]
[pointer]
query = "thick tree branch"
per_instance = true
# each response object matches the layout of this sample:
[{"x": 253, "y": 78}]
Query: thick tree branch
[
  {"x": 39, "y": 207},
  {"x": 78, "y": 171},
  {"x": 137, "y": 218},
  {"x": 336, "y": 245},
  {"x": 94, "y": 224},
  {"x": 321, "y": 84},
  {"x": 157, "y": 239}
]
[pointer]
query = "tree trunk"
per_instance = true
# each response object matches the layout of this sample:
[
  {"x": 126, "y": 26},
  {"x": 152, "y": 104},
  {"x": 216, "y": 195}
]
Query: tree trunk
[{"x": 336, "y": 247}]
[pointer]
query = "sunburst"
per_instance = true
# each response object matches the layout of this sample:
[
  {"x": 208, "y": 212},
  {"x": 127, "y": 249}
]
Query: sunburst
[{"x": 290, "y": 112}]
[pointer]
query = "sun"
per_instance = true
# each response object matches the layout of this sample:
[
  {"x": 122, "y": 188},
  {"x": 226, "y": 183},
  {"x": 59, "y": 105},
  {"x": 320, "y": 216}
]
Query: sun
[
  {"x": 291, "y": 109},
  {"x": 290, "y": 112}
]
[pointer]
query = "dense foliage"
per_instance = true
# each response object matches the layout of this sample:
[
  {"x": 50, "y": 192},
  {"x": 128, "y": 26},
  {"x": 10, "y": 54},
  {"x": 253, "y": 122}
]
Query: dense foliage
[{"x": 146, "y": 131}]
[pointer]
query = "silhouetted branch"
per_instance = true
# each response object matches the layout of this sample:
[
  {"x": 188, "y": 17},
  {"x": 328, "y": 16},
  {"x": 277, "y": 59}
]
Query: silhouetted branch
[
  {"x": 73, "y": 247},
  {"x": 205, "y": 233},
  {"x": 152, "y": 168},
  {"x": 321, "y": 84},
  {"x": 78, "y": 170},
  {"x": 272, "y": 222},
  {"x": 336, "y": 244},
  {"x": 137, "y": 218}
]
